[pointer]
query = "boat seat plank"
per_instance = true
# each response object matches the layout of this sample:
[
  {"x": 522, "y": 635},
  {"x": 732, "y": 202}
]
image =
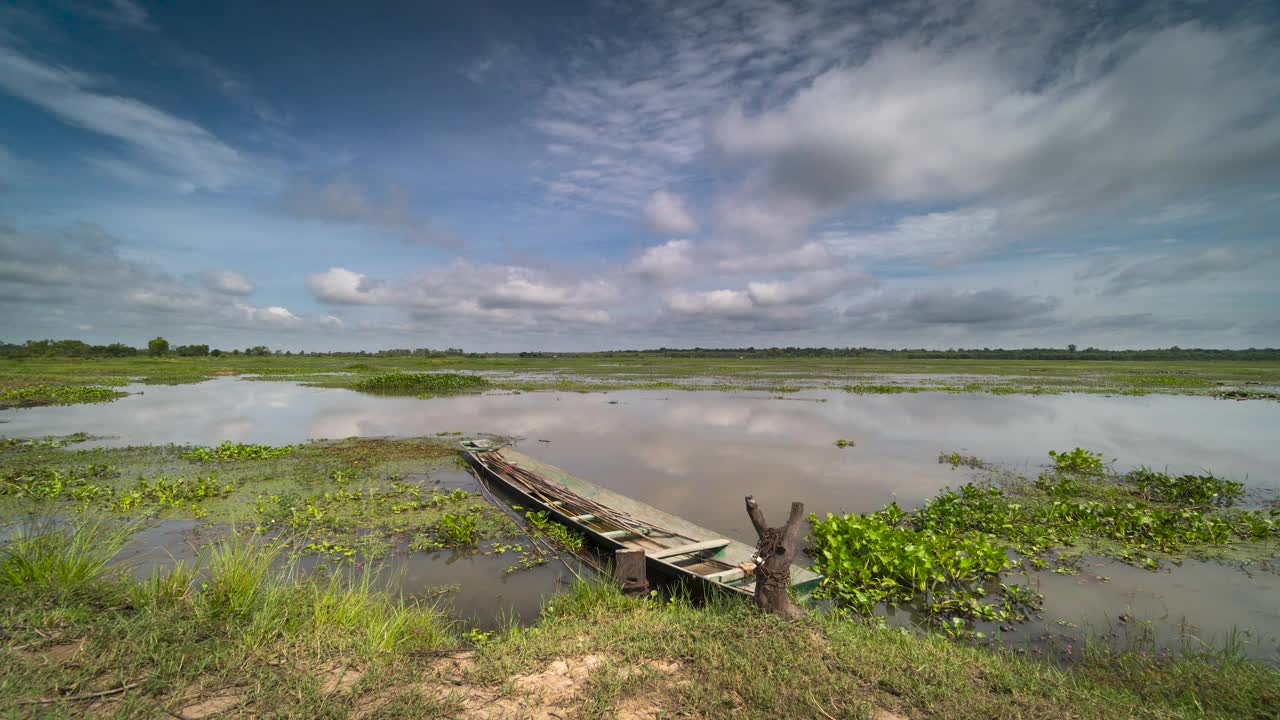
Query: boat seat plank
[
  {"x": 688, "y": 549},
  {"x": 725, "y": 576}
]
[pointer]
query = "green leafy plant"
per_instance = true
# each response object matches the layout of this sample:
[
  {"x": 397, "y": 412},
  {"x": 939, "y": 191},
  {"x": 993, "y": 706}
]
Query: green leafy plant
[
  {"x": 1185, "y": 489},
  {"x": 561, "y": 535},
  {"x": 33, "y": 395},
  {"x": 1078, "y": 460},
  {"x": 955, "y": 459},
  {"x": 459, "y": 529},
  {"x": 229, "y": 450},
  {"x": 880, "y": 558},
  {"x": 436, "y": 383}
]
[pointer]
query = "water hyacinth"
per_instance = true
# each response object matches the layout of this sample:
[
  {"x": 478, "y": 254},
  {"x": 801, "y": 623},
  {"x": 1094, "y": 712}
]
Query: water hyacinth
[{"x": 437, "y": 383}]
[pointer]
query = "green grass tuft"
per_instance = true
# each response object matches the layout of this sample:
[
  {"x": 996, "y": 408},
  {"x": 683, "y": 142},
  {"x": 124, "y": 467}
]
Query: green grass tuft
[{"x": 61, "y": 560}]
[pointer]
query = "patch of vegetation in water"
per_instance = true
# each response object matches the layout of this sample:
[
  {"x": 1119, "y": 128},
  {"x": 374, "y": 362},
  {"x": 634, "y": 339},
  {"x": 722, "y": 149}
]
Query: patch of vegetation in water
[
  {"x": 36, "y": 395},
  {"x": 1162, "y": 381},
  {"x": 955, "y": 459},
  {"x": 1078, "y": 460},
  {"x": 48, "y": 442},
  {"x": 433, "y": 383},
  {"x": 954, "y": 547},
  {"x": 868, "y": 389},
  {"x": 372, "y": 495},
  {"x": 1204, "y": 490},
  {"x": 229, "y": 450},
  {"x": 885, "y": 558}
]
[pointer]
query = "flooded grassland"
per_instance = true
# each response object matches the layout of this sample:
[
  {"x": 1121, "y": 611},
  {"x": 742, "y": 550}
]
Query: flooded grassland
[{"x": 952, "y": 524}]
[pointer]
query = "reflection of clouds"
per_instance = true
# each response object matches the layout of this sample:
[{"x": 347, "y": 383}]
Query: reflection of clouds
[
  {"x": 756, "y": 416},
  {"x": 335, "y": 424},
  {"x": 697, "y": 453},
  {"x": 670, "y": 460},
  {"x": 938, "y": 411},
  {"x": 234, "y": 428}
]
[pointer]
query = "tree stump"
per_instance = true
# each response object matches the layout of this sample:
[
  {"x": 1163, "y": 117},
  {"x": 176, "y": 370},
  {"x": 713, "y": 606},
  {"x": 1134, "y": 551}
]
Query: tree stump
[{"x": 776, "y": 549}]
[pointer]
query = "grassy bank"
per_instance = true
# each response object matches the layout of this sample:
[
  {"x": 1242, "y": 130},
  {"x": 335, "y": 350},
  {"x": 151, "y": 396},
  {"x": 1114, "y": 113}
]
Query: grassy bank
[
  {"x": 1230, "y": 379},
  {"x": 242, "y": 635}
]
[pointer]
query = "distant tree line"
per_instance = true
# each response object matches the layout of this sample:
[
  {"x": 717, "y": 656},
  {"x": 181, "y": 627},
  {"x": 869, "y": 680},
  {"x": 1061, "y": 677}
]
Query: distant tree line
[
  {"x": 159, "y": 347},
  {"x": 1071, "y": 352}
]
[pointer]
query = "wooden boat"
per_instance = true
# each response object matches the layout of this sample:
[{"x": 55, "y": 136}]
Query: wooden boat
[{"x": 673, "y": 547}]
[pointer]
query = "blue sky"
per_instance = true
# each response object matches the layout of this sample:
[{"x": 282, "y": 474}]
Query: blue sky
[{"x": 598, "y": 175}]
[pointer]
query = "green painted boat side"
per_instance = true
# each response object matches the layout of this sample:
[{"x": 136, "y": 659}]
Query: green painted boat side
[{"x": 803, "y": 580}]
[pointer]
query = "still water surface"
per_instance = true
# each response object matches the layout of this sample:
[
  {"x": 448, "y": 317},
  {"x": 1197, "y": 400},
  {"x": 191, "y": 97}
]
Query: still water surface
[{"x": 697, "y": 454}]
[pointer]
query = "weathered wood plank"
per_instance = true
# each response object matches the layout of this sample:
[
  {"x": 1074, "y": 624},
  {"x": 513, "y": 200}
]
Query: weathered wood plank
[{"x": 688, "y": 549}]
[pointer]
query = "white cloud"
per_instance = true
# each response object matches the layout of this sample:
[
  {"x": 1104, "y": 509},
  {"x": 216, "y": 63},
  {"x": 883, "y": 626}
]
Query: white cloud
[
  {"x": 341, "y": 286},
  {"x": 939, "y": 235},
  {"x": 669, "y": 262},
  {"x": 491, "y": 295},
  {"x": 669, "y": 214},
  {"x": 229, "y": 282},
  {"x": 78, "y": 274},
  {"x": 952, "y": 116},
  {"x": 274, "y": 314},
  {"x": 711, "y": 302},
  {"x": 810, "y": 256},
  {"x": 185, "y": 151},
  {"x": 795, "y": 302},
  {"x": 635, "y": 109},
  {"x": 807, "y": 289}
]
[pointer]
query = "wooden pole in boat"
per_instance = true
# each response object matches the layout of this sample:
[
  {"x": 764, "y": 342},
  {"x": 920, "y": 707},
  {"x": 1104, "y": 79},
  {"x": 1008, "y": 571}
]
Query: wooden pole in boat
[{"x": 776, "y": 549}]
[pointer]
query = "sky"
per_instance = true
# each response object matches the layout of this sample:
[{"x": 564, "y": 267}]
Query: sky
[{"x": 609, "y": 175}]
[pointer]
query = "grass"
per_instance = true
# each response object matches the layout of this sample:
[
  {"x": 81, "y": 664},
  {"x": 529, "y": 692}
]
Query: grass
[
  {"x": 59, "y": 560},
  {"x": 291, "y": 640},
  {"x": 584, "y": 373}
]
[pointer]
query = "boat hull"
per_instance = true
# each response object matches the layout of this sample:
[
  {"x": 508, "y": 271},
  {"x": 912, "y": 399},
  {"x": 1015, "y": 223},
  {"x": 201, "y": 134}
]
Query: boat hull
[{"x": 681, "y": 532}]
